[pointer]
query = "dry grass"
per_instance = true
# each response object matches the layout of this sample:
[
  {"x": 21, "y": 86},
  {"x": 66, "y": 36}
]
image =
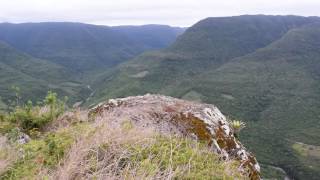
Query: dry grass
[
  {"x": 105, "y": 150},
  {"x": 68, "y": 119},
  {"x": 76, "y": 165},
  {"x": 115, "y": 153},
  {"x": 8, "y": 154}
]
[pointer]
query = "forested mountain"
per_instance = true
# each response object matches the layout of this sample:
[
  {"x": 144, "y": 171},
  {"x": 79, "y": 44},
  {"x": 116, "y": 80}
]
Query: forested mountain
[
  {"x": 33, "y": 76},
  {"x": 84, "y": 47},
  {"x": 260, "y": 69},
  {"x": 66, "y": 57}
]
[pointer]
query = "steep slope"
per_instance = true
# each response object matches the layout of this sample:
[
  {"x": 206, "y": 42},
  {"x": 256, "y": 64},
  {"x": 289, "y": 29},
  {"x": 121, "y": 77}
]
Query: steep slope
[
  {"x": 261, "y": 69},
  {"x": 209, "y": 43},
  {"x": 83, "y": 47},
  {"x": 220, "y": 39},
  {"x": 277, "y": 89},
  {"x": 33, "y": 76}
]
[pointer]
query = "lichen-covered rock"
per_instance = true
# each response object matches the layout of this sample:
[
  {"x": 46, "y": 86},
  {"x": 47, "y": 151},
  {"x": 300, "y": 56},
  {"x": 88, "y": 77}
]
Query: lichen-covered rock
[{"x": 170, "y": 115}]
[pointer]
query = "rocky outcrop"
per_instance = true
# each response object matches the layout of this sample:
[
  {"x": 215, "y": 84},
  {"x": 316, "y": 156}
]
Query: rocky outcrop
[{"x": 164, "y": 114}]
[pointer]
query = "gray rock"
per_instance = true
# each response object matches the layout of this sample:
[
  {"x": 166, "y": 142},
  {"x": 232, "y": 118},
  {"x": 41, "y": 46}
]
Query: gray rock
[{"x": 17, "y": 136}]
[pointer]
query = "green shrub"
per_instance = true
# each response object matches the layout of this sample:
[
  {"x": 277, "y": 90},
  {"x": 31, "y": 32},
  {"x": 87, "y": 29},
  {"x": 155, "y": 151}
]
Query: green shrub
[
  {"x": 237, "y": 126},
  {"x": 5, "y": 124},
  {"x": 39, "y": 154},
  {"x": 30, "y": 117},
  {"x": 2, "y": 116}
]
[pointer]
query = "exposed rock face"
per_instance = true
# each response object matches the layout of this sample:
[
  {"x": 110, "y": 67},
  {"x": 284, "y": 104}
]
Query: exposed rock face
[{"x": 169, "y": 115}]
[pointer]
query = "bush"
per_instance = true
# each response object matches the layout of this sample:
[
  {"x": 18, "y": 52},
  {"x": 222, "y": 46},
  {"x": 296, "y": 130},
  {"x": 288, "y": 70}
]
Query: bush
[
  {"x": 5, "y": 124},
  {"x": 29, "y": 117},
  {"x": 39, "y": 155}
]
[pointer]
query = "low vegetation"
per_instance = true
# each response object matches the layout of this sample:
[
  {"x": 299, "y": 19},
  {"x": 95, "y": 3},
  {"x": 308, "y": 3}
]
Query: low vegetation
[
  {"x": 64, "y": 145},
  {"x": 307, "y": 154},
  {"x": 130, "y": 153},
  {"x": 237, "y": 126},
  {"x": 29, "y": 117}
]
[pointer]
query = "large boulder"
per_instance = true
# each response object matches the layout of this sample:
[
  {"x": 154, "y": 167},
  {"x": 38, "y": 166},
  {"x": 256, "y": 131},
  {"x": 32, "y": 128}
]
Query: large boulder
[{"x": 169, "y": 115}]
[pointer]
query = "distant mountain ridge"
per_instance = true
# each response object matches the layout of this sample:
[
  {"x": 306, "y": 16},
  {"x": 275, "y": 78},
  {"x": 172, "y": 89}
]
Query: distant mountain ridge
[
  {"x": 66, "y": 57},
  {"x": 82, "y": 47}
]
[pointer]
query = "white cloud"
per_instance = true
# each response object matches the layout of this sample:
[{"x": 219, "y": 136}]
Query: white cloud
[{"x": 116, "y": 12}]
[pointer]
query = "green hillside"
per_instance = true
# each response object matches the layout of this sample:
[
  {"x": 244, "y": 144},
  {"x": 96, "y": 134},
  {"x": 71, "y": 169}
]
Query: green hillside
[
  {"x": 201, "y": 48},
  {"x": 67, "y": 57},
  {"x": 277, "y": 90},
  {"x": 84, "y": 47},
  {"x": 220, "y": 39},
  {"x": 261, "y": 69},
  {"x": 33, "y": 76}
]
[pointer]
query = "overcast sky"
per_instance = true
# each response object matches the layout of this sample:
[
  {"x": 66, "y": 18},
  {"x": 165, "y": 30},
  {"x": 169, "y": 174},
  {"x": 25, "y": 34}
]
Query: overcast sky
[{"x": 136, "y": 12}]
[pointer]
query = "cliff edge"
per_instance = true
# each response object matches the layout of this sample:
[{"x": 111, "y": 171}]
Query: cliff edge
[
  {"x": 167, "y": 115},
  {"x": 140, "y": 137}
]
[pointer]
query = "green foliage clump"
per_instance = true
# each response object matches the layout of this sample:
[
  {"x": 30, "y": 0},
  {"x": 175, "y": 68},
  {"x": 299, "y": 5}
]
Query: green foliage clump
[
  {"x": 237, "y": 126},
  {"x": 40, "y": 154},
  {"x": 5, "y": 125},
  {"x": 13, "y": 134},
  {"x": 30, "y": 117}
]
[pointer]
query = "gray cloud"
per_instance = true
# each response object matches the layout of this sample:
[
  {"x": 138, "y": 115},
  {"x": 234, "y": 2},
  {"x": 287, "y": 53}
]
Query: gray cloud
[{"x": 120, "y": 12}]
